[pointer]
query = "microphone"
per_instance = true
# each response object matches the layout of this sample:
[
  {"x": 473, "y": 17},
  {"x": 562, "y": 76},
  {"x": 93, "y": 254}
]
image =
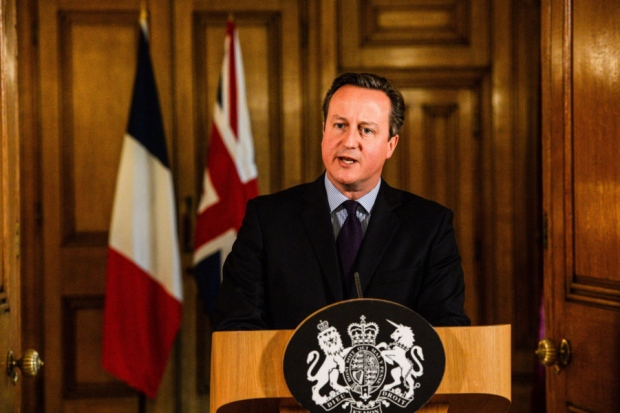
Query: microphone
[{"x": 358, "y": 284}]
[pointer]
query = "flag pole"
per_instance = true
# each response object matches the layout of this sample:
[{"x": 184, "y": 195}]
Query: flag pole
[
  {"x": 143, "y": 23},
  {"x": 141, "y": 402}
]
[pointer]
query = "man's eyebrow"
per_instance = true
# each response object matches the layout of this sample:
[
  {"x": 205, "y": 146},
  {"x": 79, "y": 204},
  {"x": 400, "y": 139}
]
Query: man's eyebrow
[
  {"x": 373, "y": 124},
  {"x": 338, "y": 117},
  {"x": 364, "y": 124}
]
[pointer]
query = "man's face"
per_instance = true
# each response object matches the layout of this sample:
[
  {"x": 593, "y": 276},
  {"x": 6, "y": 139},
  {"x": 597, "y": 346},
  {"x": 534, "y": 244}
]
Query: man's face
[{"x": 356, "y": 140}]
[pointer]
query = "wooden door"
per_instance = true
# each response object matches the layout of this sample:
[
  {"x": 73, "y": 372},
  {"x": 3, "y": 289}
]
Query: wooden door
[
  {"x": 581, "y": 130},
  {"x": 10, "y": 271}
]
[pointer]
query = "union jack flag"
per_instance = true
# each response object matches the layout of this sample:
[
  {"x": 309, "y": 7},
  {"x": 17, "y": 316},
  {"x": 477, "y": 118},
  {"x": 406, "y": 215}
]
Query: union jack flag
[{"x": 230, "y": 177}]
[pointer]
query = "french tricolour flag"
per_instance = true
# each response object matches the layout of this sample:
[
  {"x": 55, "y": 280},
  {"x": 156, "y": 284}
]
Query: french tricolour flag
[
  {"x": 230, "y": 177},
  {"x": 143, "y": 297}
]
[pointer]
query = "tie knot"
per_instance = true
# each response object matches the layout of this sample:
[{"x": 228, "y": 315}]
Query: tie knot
[{"x": 351, "y": 207}]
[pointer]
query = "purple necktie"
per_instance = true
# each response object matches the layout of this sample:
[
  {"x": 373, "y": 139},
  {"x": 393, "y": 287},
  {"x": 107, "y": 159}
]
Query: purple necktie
[{"x": 348, "y": 242}]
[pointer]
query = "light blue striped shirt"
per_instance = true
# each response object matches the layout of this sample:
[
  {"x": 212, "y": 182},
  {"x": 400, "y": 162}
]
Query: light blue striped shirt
[{"x": 339, "y": 213}]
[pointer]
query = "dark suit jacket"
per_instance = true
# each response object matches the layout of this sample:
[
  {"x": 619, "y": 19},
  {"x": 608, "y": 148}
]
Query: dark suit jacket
[{"x": 284, "y": 263}]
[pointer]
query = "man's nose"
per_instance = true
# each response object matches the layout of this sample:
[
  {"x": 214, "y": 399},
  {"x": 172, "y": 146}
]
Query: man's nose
[{"x": 351, "y": 138}]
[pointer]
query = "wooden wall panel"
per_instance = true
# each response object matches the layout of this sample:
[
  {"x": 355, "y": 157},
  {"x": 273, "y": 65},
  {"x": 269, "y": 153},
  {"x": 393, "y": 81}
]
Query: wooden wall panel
[
  {"x": 81, "y": 329},
  {"x": 415, "y": 23},
  {"x": 95, "y": 88},
  {"x": 380, "y": 33},
  {"x": 438, "y": 157},
  {"x": 97, "y": 66}
]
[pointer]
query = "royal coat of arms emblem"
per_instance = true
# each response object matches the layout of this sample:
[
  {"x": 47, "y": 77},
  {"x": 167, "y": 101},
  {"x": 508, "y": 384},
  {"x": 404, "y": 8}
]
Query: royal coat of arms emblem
[{"x": 370, "y": 364}]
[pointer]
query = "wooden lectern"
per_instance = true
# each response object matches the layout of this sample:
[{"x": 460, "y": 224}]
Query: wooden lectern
[{"x": 247, "y": 375}]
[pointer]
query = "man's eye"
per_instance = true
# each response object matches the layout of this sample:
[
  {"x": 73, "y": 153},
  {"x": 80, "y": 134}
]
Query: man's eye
[
  {"x": 339, "y": 125},
  {"x": 367, "y": 131}
]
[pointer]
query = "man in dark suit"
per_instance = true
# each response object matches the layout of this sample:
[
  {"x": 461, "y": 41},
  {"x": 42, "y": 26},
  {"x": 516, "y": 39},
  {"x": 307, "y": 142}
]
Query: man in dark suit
[{"x": 287, "y": 263}]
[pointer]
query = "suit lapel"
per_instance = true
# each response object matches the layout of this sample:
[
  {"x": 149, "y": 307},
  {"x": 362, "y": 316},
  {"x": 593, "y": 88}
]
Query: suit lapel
[
  {"x": 383, "y": 225},
  {"x": 317, "y": 221}
]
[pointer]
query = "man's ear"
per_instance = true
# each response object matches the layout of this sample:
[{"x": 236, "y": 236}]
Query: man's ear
[{"x": 392, "y": 142}]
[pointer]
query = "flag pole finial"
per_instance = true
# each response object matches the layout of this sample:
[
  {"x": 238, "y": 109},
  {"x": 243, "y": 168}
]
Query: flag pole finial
[
  {"x": 143, "y": 11},
  {"x": 231, "y": 17}
]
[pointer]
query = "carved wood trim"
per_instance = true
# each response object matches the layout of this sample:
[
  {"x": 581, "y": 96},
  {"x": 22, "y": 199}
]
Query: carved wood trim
[
  {"x": 415, "y": 23},
  {"x": 594, "y": 291},
  {"x": 72, "y": 387},
  {"x": 571, "y": 408},
  {"x": 374, "y": 33},
  {"x": 71, "y": 235},
  {"x": 440, "y": 122},
  {"x": 437, "y": 76}
]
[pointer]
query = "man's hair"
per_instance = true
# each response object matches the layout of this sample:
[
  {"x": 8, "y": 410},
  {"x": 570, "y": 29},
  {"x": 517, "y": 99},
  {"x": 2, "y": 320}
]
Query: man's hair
[{"x": 374, "y": 82}]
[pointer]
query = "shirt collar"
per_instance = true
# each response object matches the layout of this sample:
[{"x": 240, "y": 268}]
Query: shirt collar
[{"x": 336, "y": 198}]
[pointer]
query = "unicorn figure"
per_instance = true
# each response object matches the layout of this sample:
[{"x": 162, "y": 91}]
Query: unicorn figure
[{"x": 405, "y": 369}]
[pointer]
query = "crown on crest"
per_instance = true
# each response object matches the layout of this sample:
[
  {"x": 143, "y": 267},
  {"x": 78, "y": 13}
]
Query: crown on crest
[
  {"x": 363, "y": 332},
  {"x": 323, "y": 325},
  {"x": 325, "y": 330}
]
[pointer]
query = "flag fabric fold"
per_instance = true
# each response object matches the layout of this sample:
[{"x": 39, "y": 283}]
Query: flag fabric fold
[
  {"x": 230, "y": 177},
  {"x": 143, "y": 296}
]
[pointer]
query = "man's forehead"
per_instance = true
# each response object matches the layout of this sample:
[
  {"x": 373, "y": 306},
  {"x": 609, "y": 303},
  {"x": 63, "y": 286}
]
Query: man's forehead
[
  {"x": 343, "y": 118},
  {"x": 359, "y": 96}
]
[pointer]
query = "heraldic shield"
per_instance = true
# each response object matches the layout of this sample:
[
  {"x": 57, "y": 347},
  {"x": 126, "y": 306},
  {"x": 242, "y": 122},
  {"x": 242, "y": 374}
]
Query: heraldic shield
[{"x": 364, "y": 356}]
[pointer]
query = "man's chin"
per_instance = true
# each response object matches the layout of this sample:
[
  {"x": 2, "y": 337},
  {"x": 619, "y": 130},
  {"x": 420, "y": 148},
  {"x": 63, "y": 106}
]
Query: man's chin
[
  {"x": 348, "y": 184},
  {"x": 344, "y": 177}
]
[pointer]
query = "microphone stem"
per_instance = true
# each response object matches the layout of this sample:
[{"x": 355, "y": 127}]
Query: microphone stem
[{"x": 358, "y": 284}]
